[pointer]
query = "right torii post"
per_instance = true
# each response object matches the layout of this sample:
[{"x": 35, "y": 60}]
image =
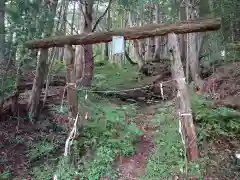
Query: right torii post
[{"x": 184, "y": 109}]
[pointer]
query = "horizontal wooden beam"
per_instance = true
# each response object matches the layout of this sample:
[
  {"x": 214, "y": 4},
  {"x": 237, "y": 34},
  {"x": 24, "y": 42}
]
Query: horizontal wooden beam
[{"x": 200, "y": 25}]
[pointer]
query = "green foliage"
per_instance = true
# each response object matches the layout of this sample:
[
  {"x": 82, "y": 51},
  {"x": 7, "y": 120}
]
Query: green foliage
[
  {"x": 220, "y": 120},
  {"x": 58, "y": 66},
  {"x": 17, "y": 140},
  {"x": 42, "y": 148},
  {"x": 4, "y": 174},
  {"x": 7, "y": 85},
  {"x": 107, "y": 136},
  {"x": 168, "y": 158},
  {"x": 109, "y": 76},
  {"x": 44, "y": 171},
  {"x": 101, "y": 140},
  {"x": 65, "y": 169},
  {"x": 61, "y": 109}
]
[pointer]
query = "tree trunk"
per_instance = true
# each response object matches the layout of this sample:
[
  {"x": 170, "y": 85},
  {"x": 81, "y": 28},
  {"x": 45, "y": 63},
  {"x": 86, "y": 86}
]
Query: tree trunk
[
  {"x": 11, "y": 49},
  {"x": 78, "y": 63},
  {"x": 236, "y": 33},
  {"x": 108, "y": 19},
  {"x": 186, "y": 121},
  {"x": 157, "y": 39},
  {"x": 84, "y": 53},
  {"x": 71, "y": 82},
  {"x": 136, "y": 48},
  {"x": 151, "y": 30},
  {"x": 41, "y": 69},
  {"x": 38, "y": 84},
  {"x": 150, "y": 42},
  {"x": 2, "y": 30},
  {"x": 2, "y": 48},
  {"x": 182, "y": 17},
  {"x": 62, "y": 30},
  {"x": 192, "y": 52}
]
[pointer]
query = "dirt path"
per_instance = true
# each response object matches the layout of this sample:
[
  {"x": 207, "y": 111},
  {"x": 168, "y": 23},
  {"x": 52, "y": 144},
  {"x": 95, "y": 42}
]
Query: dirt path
[
  {"x": 133, "y": 167},
  {"x": 13, "y": 147}
]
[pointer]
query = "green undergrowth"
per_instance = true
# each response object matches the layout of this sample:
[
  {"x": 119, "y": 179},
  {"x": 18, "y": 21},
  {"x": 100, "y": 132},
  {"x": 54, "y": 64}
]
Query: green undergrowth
[
  {"x": 168, "y": 158},
  {"x": 94, "y": 151},
  {"x": 103, "y": 138},
  {"x": 44, "y": 154},
  {"x": 215, "y": 120},
  {"x": 7, "y": 85},
  {"x": 108, "y": 134},
  {"x": 111, "y": 76}
]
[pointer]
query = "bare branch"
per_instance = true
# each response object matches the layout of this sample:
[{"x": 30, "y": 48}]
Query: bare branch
[
  {"x": 84, "y": 15},
  {"x": 82, "y": 2},
  {"x": 100, "y": 18}
]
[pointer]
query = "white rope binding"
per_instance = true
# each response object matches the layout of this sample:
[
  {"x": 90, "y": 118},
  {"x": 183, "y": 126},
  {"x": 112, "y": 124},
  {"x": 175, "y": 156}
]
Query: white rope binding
[
  {"x": 70, "y": 138},
  {"x": 161, "y": 88}
]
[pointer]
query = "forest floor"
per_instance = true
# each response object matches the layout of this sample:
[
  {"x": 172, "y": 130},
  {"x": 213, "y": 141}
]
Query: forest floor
[{"x": 32, "y": 151}]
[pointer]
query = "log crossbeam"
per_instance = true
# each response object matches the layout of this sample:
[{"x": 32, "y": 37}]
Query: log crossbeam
[{"x": 152, "y": 30}]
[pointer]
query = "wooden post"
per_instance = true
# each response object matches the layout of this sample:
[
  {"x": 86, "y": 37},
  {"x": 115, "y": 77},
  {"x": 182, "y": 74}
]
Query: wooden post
[
  {"x": 71, "y": 82},
  {"x": 187, "y": 126},
  {"x": 41, "y": 70}
]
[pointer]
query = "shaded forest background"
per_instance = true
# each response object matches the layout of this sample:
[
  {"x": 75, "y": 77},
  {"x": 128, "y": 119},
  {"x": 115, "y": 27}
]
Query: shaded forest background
[{"x": 129, "y": 131}]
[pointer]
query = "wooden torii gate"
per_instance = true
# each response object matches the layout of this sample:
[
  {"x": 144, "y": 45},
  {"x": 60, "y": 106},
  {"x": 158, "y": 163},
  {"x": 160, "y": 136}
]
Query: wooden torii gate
[{"x": 184, "y": 110}]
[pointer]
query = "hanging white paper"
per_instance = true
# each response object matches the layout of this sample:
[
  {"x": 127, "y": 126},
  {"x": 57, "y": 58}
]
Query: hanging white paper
[{"x": 117, "y": 45}]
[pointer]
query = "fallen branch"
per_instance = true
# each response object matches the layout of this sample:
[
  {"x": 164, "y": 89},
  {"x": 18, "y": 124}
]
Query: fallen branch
[
  {"x": 28, "y": 85},
  {"x": 140, "y": 94}
]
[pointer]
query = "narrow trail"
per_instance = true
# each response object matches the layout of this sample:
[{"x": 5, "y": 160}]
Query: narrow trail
[
  {"x": 16, "y": 135},
  {"x": 133, "y": 167}
]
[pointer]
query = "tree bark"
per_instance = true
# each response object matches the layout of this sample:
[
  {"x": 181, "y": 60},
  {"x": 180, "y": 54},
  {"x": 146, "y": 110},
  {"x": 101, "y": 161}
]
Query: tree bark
[
  {"x": 2, "y": 29},
  {"x": 129, "y": 33},
  {"x": 84, "y": 58},
  {"x": 182, "y": 17},
  {"x": 73, "y": 17},
  {"x": 192, "y": 51},
  {"x": 108, "y": 22},
  {"x": 71, "y": 82},
  {"x": 11, "y": 48},
  {"x": 157, "y": 39},
  {"x": 187, "y": 126},
  {"x": 150, "y": 41},
  {"x": 41, "y": 69},
  {"x": 136, "y": 47},
  {"x": 33, "y": 103},
  {"x": 62, "y": 31}
]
